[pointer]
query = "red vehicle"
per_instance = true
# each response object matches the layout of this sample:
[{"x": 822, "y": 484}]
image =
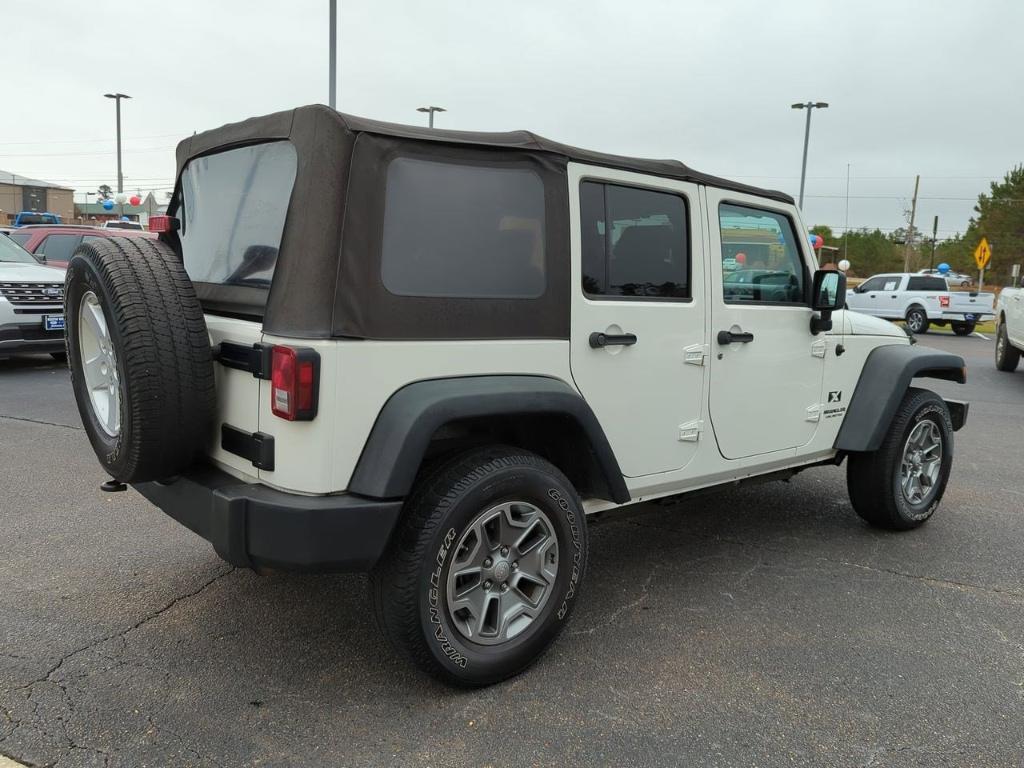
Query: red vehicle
[{"x": 53, "y": 244}]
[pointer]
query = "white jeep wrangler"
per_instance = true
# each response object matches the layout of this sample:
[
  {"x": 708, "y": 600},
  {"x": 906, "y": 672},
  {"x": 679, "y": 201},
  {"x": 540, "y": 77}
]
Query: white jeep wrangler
[{"x": 431, "y": 354}]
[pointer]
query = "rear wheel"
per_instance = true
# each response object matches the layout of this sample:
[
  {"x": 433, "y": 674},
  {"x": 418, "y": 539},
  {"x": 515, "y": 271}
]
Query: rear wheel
[
  {"x": 900, "y": 485},
  {"x": 963, "y": 329},
  {"x": 485, "y": 568},
  {"x": 1007, "y": 355},
  {"x": 917, "y": 320},
  {"x": 139, "y": 354}
]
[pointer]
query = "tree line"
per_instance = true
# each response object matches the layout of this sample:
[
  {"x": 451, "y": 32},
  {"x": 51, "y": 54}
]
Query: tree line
[{"x": 998, "y": 216}]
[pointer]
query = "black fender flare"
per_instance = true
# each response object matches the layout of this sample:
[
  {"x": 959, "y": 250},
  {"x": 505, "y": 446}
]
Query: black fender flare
[
  {"x": 406, "y": 423},
  {"x": 884, "y": 379}
]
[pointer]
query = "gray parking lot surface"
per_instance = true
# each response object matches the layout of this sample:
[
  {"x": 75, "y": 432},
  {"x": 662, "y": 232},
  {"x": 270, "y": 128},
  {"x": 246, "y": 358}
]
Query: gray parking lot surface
[{"x": 763, "y": 625}]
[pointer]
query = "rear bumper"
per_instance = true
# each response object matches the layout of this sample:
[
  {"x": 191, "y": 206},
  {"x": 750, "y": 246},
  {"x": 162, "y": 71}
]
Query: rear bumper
[
  {"x": 976, "y": 317},
  {"x": 253, "y": 526}
]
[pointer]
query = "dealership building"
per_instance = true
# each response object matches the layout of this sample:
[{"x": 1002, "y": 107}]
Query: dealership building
[{"x": 20, "y": 193}]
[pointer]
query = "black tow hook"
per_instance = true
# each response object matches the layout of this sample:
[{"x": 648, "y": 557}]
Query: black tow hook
[{"x": 113, "y": 486}]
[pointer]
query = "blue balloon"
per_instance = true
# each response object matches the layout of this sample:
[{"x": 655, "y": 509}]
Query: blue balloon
[
  {"x": 125, "y": 218},
  {"x": 108, "y": 205},
  {"x": 943, "y": 268}
]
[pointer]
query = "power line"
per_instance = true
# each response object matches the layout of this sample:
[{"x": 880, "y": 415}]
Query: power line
[{"x": 182, "y": 134}]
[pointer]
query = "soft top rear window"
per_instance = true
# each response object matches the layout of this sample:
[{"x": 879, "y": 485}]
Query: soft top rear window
[{"x": 232, "y": 215}]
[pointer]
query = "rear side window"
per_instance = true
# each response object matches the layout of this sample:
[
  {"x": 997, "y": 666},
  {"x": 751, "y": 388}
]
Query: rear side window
[
  {"x": 926, "y": 283},
  {"x": 59, "y": 247},
  {"x": 463, "y": 231},
  {"x": 20, "y": 238},
  {"x": 634, "y": 243},
  {"x": 232, "y": 216}
]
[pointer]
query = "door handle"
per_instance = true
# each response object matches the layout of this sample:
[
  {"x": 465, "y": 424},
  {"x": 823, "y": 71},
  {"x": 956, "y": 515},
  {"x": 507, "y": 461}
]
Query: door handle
[
  {"x": 728, "y": 337},
  {"x": 894, "y": 296},
  {"x": 599, "y": 339}
]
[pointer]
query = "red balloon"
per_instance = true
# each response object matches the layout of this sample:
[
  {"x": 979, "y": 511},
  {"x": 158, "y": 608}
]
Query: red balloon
[
  {"x": 741, "y": 258},
  {"x": 134, "y": 199}
]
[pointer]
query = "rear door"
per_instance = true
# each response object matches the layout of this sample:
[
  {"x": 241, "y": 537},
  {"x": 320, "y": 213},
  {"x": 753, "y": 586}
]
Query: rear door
[
  {"x": 639, "y": 335},
  {"x": 766, "y": 366},
  {"x": 232, "y": 212}
]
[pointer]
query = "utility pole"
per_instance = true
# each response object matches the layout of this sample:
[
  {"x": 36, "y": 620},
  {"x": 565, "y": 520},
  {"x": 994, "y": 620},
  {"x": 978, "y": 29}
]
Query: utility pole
[
  {"x": 333, "y": 43},
  {"x": 935, "y": 235},
  {"x": 910, "y": 230},
  {"x": 117, "y": 100},
  {"x": 846, "y": 224}
]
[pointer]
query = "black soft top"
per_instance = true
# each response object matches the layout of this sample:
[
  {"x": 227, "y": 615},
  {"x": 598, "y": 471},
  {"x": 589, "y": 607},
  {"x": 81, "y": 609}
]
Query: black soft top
[
  {"x": 327, "y": 282},
  {"x": 279, "y": 126}
]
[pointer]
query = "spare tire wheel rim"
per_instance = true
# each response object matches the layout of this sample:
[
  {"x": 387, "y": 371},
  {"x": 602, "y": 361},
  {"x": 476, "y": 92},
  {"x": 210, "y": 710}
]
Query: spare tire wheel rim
[
  {"x": 503, "y": 572},
  {"x": 922, "y": 462},
  {"x": 99, "y": 365}
]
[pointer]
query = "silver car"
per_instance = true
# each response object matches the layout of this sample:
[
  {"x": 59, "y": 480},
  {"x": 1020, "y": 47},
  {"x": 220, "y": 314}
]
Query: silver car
[{"x": 31, "y": 303}]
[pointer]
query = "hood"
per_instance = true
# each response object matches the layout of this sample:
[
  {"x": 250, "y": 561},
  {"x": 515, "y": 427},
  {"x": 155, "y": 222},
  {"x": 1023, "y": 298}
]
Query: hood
[
  {"x": 857, "y": 324},
  {"x": 17, "y": 272}
]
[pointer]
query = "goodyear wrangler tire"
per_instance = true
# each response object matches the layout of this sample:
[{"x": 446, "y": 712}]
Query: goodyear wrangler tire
[
  {"x": 139, "y": 354},
  {"x": 485, "y": 568},
  {"x": 899, "y": 486}
]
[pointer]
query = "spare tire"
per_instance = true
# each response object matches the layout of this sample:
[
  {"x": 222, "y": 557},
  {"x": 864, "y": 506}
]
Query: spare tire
[{"x": 139, "y": 354}]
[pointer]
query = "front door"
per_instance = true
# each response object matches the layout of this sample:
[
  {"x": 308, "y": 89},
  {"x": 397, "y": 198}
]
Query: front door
[
  {"x": 638, "y": 346},
  {"x": 766, "y": 366}
]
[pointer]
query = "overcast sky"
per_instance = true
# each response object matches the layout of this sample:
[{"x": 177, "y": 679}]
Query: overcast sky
[{"x": 914, "y": 87}]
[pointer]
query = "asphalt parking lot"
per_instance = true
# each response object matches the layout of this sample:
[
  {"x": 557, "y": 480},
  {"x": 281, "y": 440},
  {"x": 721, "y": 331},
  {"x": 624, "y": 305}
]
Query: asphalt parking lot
[{"x": 762, "y": 626}]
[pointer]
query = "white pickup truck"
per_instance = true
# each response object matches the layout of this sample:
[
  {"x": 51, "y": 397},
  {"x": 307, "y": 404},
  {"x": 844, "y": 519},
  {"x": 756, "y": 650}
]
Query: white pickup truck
[
  {"x": 1009, "y": 328},
  {"x": 921, "y": 300}
]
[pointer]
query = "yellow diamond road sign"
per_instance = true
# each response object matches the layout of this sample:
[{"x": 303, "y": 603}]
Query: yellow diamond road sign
[{"x": 982, "y": 254}]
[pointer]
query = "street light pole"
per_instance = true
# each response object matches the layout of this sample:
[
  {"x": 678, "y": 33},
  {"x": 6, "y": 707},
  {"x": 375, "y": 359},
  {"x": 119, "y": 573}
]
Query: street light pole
[
  {"x": 430, "y": 111},
  {"x": 333, "y": 73},
  {"x": 810, "y": 105},
  {"x": 117, "y": 100}
]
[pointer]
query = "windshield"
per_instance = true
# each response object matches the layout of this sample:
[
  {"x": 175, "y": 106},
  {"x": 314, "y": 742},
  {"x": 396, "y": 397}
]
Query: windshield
[
  {"x": 11, "y": 251},
  {"x": 36, "y": 218}
]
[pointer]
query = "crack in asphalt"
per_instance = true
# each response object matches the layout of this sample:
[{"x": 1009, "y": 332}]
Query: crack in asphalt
[
  {"x": 932, "y": 580},
  {"x": 611, "y": 617},
  {"x": 39, "y": 421},
  {"x": 71, "y": 744}
]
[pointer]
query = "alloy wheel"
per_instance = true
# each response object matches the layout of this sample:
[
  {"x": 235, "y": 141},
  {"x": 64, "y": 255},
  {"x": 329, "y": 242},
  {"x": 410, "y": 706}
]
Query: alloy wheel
[
  {"x": 921, "y": 462},
  {"x": 502, "y": 573}
]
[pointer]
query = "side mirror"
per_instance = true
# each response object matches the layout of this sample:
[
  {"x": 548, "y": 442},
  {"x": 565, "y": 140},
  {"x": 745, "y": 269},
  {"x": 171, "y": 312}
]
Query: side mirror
[{"x": 828, "y": 293}]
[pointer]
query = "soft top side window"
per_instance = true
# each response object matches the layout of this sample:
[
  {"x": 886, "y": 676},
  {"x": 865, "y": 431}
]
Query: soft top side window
[{"x": 463, "y": 231}]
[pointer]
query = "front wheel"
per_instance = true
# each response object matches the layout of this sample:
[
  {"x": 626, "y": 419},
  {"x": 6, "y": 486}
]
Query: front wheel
[
  {"x": 917, "y": 320},
  {"x": 900, "y": 485},
  {"x": 485, "y": 568},
  {"x": 963, "y": 329},
  {"x": 1007, "y": 355}
]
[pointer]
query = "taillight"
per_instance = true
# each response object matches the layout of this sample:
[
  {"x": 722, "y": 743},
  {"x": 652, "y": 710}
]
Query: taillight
[
  {"x": 294, "y": 383},
  {"x": 162, "y": 223},
  {"x": 943, "y": 301}
]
